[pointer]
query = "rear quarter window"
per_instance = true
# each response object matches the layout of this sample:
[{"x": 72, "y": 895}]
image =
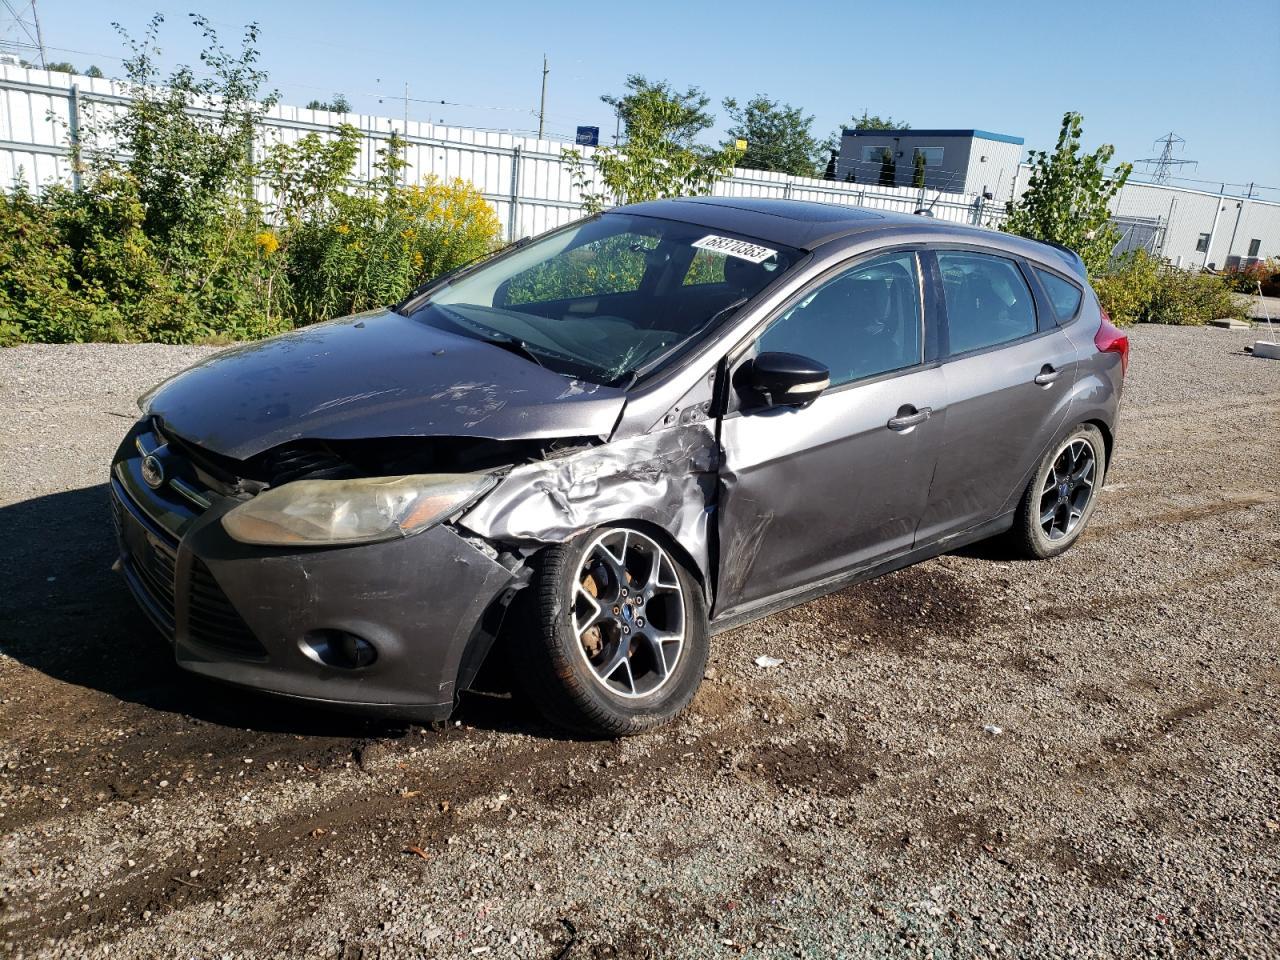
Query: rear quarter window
[{"x": 1064, "y": 295}]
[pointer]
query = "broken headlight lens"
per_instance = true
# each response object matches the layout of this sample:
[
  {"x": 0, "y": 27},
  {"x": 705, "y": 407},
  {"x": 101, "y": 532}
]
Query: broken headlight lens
[{"x": 331, "y": 512}]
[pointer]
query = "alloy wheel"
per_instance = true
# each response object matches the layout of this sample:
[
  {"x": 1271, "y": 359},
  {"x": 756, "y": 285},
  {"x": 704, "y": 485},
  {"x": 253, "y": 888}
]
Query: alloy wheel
[
  {"x": 628, "y": 613},
  {"x": 1067, "y": 489}
]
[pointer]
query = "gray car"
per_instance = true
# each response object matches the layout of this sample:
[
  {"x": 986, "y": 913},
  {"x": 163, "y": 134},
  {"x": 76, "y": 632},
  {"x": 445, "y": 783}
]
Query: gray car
[{"x": 608, "y": 443}]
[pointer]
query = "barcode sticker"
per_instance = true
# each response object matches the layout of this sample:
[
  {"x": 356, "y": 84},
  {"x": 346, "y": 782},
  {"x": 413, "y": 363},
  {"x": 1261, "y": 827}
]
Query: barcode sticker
[{"x": 735, "y": 248}]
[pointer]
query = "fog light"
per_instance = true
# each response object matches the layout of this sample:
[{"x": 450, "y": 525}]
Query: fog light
[{"x": 338, "y": 648}]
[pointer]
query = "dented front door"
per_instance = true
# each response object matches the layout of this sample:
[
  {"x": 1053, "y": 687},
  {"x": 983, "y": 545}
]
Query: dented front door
[{"x": 809, "y": 494}]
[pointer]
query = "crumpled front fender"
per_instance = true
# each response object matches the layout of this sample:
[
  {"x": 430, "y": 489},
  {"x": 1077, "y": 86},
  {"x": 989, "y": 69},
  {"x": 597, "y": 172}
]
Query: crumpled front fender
[{"x": 666, "y": 478}]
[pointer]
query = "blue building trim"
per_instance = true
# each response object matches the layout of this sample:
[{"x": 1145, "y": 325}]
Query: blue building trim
[{"x": 970, "y": 134}]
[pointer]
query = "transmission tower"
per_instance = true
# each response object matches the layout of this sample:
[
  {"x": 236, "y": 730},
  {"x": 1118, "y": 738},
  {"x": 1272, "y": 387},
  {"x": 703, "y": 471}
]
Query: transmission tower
[
  {"x": 20, "y": 34},
  {"x": 1160, "y": 166}
]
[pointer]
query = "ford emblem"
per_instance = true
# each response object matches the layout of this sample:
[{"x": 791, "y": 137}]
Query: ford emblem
[{"x": 153, "y": 472}]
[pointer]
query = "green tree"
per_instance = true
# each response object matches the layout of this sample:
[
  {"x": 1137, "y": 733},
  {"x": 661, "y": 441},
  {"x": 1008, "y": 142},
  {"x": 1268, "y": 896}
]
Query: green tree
[
  {"x": 873, "y": 121},
  {"x": 778, "y": 136},
  {"x": 917, "y": 173},
  {"x": 685, "y": 114},
  {"x": 339, "y": 104},
  {"x": 61, "y": 66},
  {"x": 829, "y": 171},
  {"x": 888, "y": 169},
  {"x": 1068, "y": 197},
  {"x": 95, "y": 72},
  {"x": 656, "y": 161}
]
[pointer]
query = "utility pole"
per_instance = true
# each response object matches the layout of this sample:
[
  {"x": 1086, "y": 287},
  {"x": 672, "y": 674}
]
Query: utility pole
[{"x": 542, "y": 105}]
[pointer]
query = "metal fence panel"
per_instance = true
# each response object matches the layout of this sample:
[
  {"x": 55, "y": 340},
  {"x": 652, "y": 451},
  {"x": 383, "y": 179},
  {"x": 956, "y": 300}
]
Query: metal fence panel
[{"x": 528, "y": 181}]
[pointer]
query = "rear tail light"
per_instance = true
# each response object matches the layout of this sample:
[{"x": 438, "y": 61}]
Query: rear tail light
[{"x": 1110, "y": 339}]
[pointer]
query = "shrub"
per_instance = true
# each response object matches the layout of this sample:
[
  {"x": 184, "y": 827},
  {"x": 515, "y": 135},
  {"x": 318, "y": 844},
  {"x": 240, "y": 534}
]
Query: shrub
[
  {"x": 349, "y": 251},
  {"x": 167, "y": 241},
  {"x": 1264, "y": 272},
  {"x": 1140, "y": 288},
  {"x": 1128, "y": 287},
  {"x": 1187, "y": 297},
  {"x": 36, "y": 302}
]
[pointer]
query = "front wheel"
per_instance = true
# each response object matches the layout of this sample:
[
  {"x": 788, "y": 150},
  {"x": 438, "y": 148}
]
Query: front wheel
[
  {"x": 1060, "y": 498},
  {"x": 621, "y": 639}
]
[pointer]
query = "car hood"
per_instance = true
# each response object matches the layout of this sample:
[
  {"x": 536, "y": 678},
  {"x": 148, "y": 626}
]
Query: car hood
[{"x": 374, "y": 375}]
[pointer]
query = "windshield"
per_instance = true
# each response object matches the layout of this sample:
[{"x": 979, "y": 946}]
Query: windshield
[{"x": 606, "y": 297}]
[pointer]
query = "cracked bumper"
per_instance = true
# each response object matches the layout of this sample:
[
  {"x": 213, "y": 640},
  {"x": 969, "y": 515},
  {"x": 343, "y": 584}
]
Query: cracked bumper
[{"x": 429, "y": 604}]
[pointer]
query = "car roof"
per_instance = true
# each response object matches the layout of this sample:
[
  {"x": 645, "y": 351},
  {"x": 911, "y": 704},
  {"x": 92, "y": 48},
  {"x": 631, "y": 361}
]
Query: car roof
[{"x": 807, "y": 224}]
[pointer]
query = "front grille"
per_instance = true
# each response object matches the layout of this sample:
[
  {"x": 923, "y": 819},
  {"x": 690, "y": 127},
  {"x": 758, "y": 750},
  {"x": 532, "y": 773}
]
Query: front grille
[
  {"x": 300, "y": 461},
  {"x": 211, "y": 619},
  {"x": 150, "y": 565},
  {"x": 149, "y": 561},
  {"x": 155, "y": 568}
]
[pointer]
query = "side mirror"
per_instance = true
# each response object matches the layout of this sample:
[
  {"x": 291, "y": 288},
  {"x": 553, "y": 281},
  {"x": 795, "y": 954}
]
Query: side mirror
[{"x": 785, "y": 379}]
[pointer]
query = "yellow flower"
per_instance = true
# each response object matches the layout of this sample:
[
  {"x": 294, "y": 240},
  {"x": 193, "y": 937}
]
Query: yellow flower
[
  {"x": 342, "y": 228},
  {"x": 268, "y": 241}
]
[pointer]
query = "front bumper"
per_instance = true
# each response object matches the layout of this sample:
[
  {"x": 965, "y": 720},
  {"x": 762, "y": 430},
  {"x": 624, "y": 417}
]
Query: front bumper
[{"x": 429, "y": 604}]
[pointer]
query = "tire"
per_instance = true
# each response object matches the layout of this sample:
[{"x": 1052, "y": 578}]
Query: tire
[
  {"x": 1035, "y": 534},
  {"x": 576, "y": 636}
]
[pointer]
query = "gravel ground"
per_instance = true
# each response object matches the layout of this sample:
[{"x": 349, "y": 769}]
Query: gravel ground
[{"x": 847, "y": 803}]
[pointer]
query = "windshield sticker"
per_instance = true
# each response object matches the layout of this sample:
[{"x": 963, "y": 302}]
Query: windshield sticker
[{"x": 735, "y": 248}]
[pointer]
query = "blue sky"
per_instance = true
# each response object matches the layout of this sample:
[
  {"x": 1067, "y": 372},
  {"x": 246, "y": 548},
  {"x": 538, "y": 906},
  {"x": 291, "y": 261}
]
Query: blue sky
[{"x": 1211, "y": 73}]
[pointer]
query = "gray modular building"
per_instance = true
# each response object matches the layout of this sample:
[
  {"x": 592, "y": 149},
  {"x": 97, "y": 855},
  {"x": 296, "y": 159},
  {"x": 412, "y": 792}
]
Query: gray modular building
[{"x": 957, "y": 161}]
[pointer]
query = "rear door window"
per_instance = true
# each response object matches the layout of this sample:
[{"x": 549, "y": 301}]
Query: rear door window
[
  {"x": 1064, "y": 295},
  {"x": 988, "y": 300}
]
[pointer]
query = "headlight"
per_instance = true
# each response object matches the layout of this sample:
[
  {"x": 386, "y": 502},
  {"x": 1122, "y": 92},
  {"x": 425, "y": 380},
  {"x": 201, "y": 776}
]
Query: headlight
[{"x": 328, "y": 512}]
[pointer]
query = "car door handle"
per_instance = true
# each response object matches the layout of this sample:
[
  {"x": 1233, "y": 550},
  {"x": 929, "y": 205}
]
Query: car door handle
[
  {"x": 1047, "y": 375},
  {"x": 905, "y": 421}
]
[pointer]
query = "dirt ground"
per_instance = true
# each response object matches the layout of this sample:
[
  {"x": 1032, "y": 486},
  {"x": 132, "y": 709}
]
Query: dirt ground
[{"x": 970, "y": 757}]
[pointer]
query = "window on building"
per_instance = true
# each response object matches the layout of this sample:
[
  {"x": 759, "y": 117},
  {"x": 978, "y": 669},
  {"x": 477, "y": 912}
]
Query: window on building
[
  {"x": 932, "y": 155},
  {"x": 1254, "y": 247},
  {"x": 862, "y": 323},
  {"x": 1063, "y": 294},
  {"x": 988, "y": 301},
  {"x": 873, "y": 154},
  {"x": 1202, "y": 243}
]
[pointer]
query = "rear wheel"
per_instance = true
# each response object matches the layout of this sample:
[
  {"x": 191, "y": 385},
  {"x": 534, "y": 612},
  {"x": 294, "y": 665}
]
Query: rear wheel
[
  {"x": 621, "y": 640},
  {"x": 1060, "y": 499}
]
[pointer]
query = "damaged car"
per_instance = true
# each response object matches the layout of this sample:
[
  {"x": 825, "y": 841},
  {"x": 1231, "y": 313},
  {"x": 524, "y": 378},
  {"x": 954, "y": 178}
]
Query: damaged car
[{"x": 607, "y": 444}]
